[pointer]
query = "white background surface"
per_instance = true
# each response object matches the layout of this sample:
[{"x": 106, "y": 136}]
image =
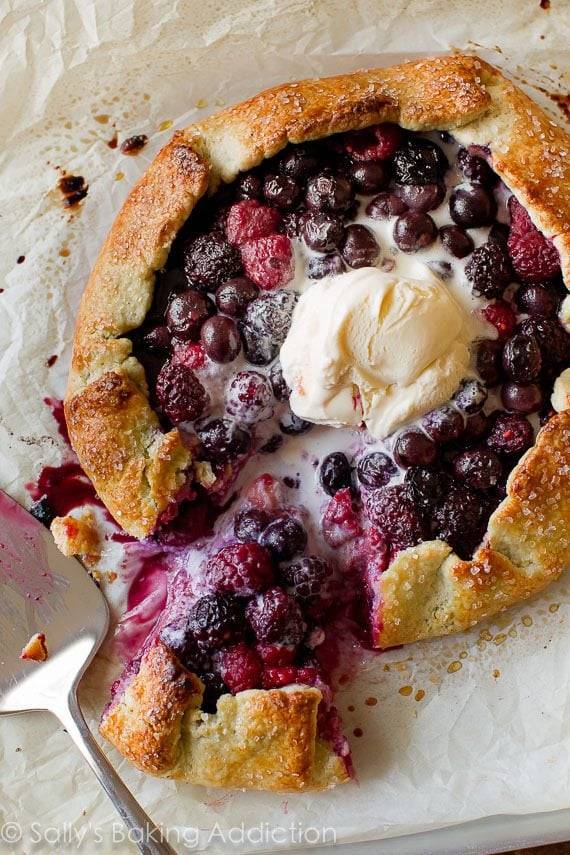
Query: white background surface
[{"x": 477, "y": 744}]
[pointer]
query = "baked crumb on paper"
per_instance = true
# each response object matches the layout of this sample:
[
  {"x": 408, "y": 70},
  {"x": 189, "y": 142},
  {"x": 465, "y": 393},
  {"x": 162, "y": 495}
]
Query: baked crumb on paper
[{"x": 36, "y": 648}]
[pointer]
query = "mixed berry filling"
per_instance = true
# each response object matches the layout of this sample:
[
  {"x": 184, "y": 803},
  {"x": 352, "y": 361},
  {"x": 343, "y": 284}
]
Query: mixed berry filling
[{"x": 307, "y": 523}]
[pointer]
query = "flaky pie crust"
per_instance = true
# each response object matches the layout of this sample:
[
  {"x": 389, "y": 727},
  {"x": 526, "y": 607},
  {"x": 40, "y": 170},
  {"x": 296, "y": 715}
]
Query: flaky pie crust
[{"x": 268, "y": 739}]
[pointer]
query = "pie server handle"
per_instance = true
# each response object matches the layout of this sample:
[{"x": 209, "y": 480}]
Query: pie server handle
[{"x": 142, "y": 830}]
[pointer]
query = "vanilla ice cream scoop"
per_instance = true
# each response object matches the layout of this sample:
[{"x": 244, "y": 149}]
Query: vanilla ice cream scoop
[{"x": 374, "y": 347}]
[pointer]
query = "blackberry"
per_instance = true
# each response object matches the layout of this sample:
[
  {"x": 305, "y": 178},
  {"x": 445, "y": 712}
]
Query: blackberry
[{"x": 215, "y": 620}]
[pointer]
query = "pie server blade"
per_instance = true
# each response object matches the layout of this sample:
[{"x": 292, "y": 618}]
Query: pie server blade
[{"x": 42, "y": 591}]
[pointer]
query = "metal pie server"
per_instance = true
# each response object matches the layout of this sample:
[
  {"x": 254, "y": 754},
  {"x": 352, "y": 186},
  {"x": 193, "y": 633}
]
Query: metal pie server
[{"x": 42, "y": 591}]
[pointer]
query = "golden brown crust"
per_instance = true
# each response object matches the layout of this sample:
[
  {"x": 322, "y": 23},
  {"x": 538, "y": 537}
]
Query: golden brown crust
[{"x": 264, "y": 740}]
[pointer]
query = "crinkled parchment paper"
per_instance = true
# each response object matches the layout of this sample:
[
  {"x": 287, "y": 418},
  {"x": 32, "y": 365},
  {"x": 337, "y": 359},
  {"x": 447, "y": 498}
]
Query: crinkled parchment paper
[{"x": 441, "y": 732}]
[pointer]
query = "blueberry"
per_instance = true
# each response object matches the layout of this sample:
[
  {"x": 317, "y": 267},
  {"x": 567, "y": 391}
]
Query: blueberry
[
  {"x": 475, "y": 168},
  {"x": 299, "y": 161},
  {"x": 369, "y": 176},
  {"x": 321, "y": 232},
  {"x": 326, "y": 265},
  {"x": 284, "y": 538},
  {"x": 553, "y": 339},
  {"x": 443, "y": 424},
  {"x": 158, "y": 339},
  {"x": 278, "y": 384},
  {"x": 223, "y": 440},
  {"x": 359, "y": 246},
  {"x": 292, "y": 425},
  {"x": 282, "y": 191},
  {"x": 168, "y": 284},
  {"x": 375, "y": 469},
  {"x": 385, "y": 205},
  {"x": 488, "y": 361},
  {"x": 249, "y": 523},
  {"x": 335, "y": 472},
  {"x": 234, "y": 296},
  {"x": 521, "y": 398},
  {"x": 414, "y": 448},
  {"x": 522, "y": 358},
  {"x": 456, "y": 241},
  {"x": 419, "y": 163},
  {"x": 470, "y": 397},
  {"x": 537, "y": 300},
  {"x": 329, "y": 192},
  {"x": 414, "y": 231},
  {"x": 249, "y": 185},
  {"x": 186, "y": 314},
  {"x": 471, "y": 206},
  {"x": 421, "y": 197},
  {"x": 220, "y": 339}
]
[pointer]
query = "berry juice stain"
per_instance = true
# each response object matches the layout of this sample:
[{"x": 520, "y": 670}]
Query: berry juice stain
[
  {"x": 57, "y": 411},
  {"x": 132, "y": 145},
  {"x": 73, "y": 189}
]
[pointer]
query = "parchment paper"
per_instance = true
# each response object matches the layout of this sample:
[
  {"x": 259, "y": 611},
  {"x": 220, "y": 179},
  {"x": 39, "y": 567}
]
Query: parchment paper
[{"x": 454, "y": 729}]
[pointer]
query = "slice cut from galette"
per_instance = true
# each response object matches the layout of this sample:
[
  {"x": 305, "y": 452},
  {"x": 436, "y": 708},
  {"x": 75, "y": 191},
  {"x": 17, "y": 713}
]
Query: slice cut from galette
[{"x": 318, "y": 363}]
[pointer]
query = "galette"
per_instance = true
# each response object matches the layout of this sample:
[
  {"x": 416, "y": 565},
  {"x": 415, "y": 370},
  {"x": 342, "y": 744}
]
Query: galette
[{"x": 323, "y": 360}]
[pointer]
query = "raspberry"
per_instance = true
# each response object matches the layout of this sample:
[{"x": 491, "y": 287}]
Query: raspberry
[
  {"x": 215, "y": 619},
  {"x": 181, "y": 396},
  {"x": 265, "y": 492},
  {"x": 268, "y": 261},
  {"x": 397, "y": 515},
  {"x": 489, "y": 270},
  {"x": 274, "y": 678},
  {"x": 250, "y": 220},
  {"x": 241, "y": 668},
  {"x": 275, "y": 655},
  {"x": 275, "y": 617},
  {"x": 375, "y": 143},
  {"x": 459, "y": 521},
  {"x": 210, "y": 260},
  {"x": 242, "y": 568},
  {"x": 308, "y": 675},
  {"x": 510, "y": 434},
  {"x": 534, "y": 257},
  {"x": 188, "y": 354},
  {"x": 340, "y": 522},
  {"x": 249, "y": 397},
  {"x": 311, "y": 583},
  {"x": 501, "y": 315}
]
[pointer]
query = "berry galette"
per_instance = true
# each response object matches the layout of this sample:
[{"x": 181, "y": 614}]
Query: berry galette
[{"x": 322, "y": 361}]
